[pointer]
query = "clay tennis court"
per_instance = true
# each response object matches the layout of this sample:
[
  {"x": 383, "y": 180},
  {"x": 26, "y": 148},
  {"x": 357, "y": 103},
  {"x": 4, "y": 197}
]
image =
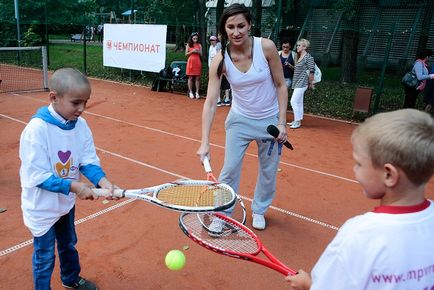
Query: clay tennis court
[{"x": 146, "y": 138}]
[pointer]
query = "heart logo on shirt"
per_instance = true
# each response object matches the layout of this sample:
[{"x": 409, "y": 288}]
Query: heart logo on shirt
[{"x": 64, "y": 156}]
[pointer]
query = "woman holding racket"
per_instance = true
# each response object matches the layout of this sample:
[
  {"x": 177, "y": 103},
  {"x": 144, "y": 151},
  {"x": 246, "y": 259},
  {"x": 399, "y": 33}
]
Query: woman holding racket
[{"x": 259, "y": 98}]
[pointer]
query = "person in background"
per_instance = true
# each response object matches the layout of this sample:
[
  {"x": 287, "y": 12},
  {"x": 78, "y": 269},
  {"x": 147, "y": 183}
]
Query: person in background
[
  {"x": 420, "y": 69},
  {"x": 214, "y": 48},
  {"x": 56, "y": 147},
  {"x": 390, "y": 247},
  {"x": 301, "y": 81},
  {"x": 226, "y": 88},
  {"x": 429, "y": 93},
  {"x": 100, "y": 32},
  {"x": 193, "y": 51},
  {"x": 287, "y": 59},
  {"x": 259, "y": 98}
]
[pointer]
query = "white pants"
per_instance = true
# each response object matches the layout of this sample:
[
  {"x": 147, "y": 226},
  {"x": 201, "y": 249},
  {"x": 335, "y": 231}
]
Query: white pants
[{"x": 297, "y": 103}]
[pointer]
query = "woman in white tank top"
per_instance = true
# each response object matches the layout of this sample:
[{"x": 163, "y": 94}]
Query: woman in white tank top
[{"x": 259, "y": 98}]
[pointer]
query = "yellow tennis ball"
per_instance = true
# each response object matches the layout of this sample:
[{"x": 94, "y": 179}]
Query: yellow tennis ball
[{"x": 175, "y": 260}]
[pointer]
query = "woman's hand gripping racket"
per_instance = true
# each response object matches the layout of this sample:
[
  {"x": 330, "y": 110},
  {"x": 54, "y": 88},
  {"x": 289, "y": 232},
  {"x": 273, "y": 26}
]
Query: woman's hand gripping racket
[
  {"x": 239, "y": 243},
  {"x": 237, "y": 211},
  {"x": 182, "y": 195}
]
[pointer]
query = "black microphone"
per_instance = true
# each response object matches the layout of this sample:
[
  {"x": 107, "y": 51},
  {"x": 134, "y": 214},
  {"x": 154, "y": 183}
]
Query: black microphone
[{"x": 273, "y": 131}]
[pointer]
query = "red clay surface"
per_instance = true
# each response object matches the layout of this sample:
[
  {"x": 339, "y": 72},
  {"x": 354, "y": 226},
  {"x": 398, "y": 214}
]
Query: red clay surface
[{"x": 146, "y": 138}]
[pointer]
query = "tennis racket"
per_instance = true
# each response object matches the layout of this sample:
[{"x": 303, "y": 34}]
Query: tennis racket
[
  {"x": 239, "y": 243},
  {"x": 182, "y": 195},
  {"x": 237, "y": 212}
]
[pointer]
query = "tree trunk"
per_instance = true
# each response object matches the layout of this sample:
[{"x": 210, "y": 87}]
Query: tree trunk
[
  {"x": 179, "y": 34},
  {"x": 218, "y": 13},
  {"x": 426, "y": 24},
  {"x": 350, "y": 42},
  {"x": 349, "y": 56},
  {"x": 202, "y": 29},
  {"x": 257, "y": 17}
]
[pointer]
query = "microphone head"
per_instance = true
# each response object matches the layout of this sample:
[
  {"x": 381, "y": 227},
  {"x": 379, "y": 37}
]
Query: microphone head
[{"x": 273, "y": 131}]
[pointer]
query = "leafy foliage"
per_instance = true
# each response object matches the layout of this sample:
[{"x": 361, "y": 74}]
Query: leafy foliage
[{"x": 31, "y": 38}]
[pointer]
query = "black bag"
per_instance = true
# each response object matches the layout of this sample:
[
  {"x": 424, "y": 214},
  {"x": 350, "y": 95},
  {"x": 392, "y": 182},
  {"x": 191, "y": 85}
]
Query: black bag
[
  {"x": 166, "y": 73},
  {"x": 410, "y": 80}
]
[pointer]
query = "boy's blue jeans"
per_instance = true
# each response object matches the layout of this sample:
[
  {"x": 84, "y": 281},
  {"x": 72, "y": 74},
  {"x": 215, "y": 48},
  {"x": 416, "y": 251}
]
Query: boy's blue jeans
[{"x": 63, "y": 231}]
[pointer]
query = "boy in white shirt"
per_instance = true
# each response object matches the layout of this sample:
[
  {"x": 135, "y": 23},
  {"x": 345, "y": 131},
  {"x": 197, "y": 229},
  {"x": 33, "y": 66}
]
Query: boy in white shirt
[
  {"x": 55, "y": 147},
  {"x": 391, "y": 247}
]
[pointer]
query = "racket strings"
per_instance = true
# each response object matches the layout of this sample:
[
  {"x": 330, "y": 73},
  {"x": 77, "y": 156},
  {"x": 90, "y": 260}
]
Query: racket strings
[
  {"x": 195, "y": 195},
  {"x": 235, "y": 240}
]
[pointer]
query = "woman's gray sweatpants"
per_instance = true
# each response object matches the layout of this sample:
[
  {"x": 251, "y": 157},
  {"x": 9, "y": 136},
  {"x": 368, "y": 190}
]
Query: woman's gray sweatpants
[{"x": 240, "y": 131}]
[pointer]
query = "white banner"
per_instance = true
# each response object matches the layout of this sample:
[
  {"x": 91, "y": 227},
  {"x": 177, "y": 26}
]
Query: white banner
[{"x": 135, "y": 46}]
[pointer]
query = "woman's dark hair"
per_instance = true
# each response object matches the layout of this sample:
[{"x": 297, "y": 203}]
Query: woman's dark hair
[
  {"x": 230, "y": 11},
  {"x": 190, "y": 39},
  {"x": 423, "y": 53}
]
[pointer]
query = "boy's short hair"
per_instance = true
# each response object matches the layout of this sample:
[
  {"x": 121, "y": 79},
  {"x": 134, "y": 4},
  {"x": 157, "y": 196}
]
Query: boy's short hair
[
  {"x": 65, "y": 80},
  {"x": 403, "y": 138}
]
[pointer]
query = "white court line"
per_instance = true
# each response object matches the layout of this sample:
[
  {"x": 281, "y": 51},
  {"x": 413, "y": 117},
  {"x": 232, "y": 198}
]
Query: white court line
[
  {"x": 216, "y": 145},
  {"x": 198, "y": 141},
  {"x": 92, "y": 216},
  {"x": 89, "y": 217}
]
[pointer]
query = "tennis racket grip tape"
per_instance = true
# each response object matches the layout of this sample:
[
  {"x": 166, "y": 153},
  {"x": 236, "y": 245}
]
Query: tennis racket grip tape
[
  {"x": 208, "y": 170},
  {"x": 206, "y": 164},
  {"x": 106, "y": 193}
]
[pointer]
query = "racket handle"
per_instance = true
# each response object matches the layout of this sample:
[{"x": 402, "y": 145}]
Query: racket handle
[
  {"x": 208, "y": 170},
  {"x": 206, "y": 164},
  {"x": 106, "y": 193}
]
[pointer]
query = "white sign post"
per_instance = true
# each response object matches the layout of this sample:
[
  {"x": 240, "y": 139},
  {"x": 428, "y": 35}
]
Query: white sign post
[{"x": 135, "y": 46}]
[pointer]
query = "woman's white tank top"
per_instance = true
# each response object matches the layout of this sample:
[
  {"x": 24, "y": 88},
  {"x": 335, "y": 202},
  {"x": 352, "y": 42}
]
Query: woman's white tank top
[{"x": 254, "y": 94}]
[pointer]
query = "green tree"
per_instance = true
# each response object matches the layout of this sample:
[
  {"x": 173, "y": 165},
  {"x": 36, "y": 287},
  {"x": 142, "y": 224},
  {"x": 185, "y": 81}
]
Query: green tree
[
  {"x": 30, "y": 38},
  {"x": 350, "y": 39},
  {"x": 257, "y": 17},
  {"x": 426, "y": 25},
  {"x": 202, "y": 28},
  {"x": 218, "y": 13}
]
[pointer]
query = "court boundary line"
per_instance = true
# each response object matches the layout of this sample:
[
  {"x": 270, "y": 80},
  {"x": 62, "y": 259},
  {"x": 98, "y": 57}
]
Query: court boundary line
[
  {"x": 219, "y": 146},
  {"x": 120, "y": 204},
  {"x": 77, "y": 222},
  {"x": 198, "y": 141}
]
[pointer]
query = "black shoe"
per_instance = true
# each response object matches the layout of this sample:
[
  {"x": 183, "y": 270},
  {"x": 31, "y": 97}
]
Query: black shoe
[{"x": 81, "y": 284}]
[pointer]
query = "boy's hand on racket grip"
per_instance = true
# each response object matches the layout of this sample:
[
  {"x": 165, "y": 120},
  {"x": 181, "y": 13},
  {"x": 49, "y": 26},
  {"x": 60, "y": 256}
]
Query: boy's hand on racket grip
[
  {"x": 85, "y": 192},
  {"x": 104, "y": 183},
  {"x": 115, "y": 193},
  {"x": 299, "y": 281}
]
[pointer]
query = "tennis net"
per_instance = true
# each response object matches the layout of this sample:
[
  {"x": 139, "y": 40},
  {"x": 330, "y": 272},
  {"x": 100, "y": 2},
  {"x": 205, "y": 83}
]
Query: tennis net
[{"x": 23, "y": 69}]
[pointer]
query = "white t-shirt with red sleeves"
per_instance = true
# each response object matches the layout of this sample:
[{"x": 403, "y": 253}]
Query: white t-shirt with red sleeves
[{"x": 389, "y": 248}]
